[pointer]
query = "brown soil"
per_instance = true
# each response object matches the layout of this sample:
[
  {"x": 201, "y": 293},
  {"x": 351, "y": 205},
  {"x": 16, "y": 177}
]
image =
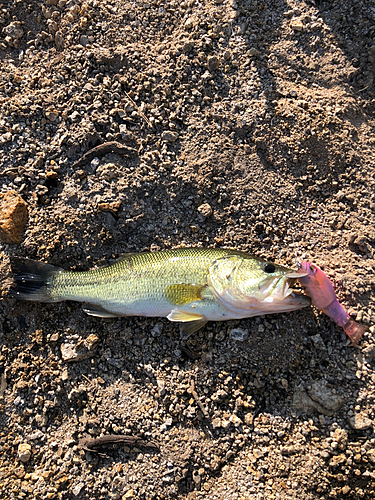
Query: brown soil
[{"x": 244, "y": 124}]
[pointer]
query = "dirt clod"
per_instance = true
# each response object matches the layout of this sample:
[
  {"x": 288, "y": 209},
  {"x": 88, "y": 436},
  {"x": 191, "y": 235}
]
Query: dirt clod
[{"x": 13, "y": 217}]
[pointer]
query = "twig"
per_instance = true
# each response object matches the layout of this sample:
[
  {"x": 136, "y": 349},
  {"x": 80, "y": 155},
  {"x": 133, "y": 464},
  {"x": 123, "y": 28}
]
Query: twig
[
  {"x": 198, "y": 401},
  {"x": 94, "y": 445},
  {"x": 103, "y": 149},
  {"x": 139, "y": 111}
]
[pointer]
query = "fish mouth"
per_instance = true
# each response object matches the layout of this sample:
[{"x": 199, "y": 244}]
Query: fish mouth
[
  {"x": 279, "y": 287},
  {"x": 278, "y": 296}
]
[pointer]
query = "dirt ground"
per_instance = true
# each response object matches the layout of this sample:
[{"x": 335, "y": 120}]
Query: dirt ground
[{"x": 248, "y": 124}]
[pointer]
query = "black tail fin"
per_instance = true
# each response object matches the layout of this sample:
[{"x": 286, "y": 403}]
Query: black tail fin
[{"x": 32, "y": 279}]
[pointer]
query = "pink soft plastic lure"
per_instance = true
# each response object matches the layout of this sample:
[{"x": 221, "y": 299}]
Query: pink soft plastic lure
[{"x": 322, "y": 294}]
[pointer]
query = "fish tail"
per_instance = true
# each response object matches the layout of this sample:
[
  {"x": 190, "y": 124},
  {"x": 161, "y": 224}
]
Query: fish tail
[{"x": 33, "y": 280}]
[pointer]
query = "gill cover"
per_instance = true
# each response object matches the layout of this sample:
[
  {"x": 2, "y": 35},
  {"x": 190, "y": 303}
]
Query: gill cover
[{"x": 241, "y": 285}]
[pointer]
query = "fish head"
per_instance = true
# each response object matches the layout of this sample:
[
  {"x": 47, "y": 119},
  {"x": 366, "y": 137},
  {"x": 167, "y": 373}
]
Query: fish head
[{"x": 242, "y": 283}]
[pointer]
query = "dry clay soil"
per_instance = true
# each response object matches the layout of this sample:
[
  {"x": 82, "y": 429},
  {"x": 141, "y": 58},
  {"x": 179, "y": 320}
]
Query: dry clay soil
[{"x": 250, "y": 125}]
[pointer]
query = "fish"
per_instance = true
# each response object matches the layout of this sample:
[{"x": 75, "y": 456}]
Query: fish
[
  {"x": 190, "y": 286},
  {"x": 318, "y": 286}
]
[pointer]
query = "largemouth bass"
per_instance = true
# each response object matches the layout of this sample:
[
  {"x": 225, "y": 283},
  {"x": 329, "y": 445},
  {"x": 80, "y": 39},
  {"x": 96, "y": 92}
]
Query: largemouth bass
[{"x": 187, "y": 285}]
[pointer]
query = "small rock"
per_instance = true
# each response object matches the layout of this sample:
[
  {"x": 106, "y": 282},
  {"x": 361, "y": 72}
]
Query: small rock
[
  {"x": 83, "y": 350},
  {"x": 337, "y": 460},
  {"x": 249, "y": 418},
  {"x": 54, "y": 337},
  {"x": 284, "y": 383},
  {"x": 112, "y": 207},
  {"x": 360, "y": 422},
  {"x": 236, "y": 421},
  {"x": 303, "y": 402},
  {"x": 4, "y": 138},
  {"x": 161, "y": 387},
  {"x": 24, "y": 452},
  {"x": 188, "y": 47},
  {"x": 38, "y": 434},
  {"x": 52, "y": 115},
  {"x": 129, "y": 494},
  {"x": 213, "y": 64},
  {"x": 341, "y": 438},
  {"x": 76, "y": 490},
  {"x": 253, "y": 51},
  {"x": 320, "y": 393},
  {"x": 157, "y": 329},
  {"x": 14, "y": 30},
  {"x": 169, "y": 136},
  {"x": 59, "y": 41},
  {"x": 289, "y": 450},
  {"x": 126, "y": 135},
  {"x": 369, "y": 352},
  {"x": 216, "y": 423},
  {"x": 239, "y": 334},
  {"x": 297, "y": 25},
  {"x": 205, "y": 210},
  {"x": 13, "y": 217},
  {"x": 83, "y": 40}
]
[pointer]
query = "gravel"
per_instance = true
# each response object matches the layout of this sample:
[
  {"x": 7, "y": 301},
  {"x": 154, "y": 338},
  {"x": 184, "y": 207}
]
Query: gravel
[{"x": 243, "y": 124}]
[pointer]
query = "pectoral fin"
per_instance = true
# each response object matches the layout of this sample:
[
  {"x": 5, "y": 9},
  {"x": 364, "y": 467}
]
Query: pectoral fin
[
  {"x": 98, "y": 311},
  {"x": 184, "y": 293}
]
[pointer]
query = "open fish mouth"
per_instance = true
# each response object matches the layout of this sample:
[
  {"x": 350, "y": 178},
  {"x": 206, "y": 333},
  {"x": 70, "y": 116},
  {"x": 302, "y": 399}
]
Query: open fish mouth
[
  {"x": 279, "y": 287},
  {"x": 278, "y": 296}
]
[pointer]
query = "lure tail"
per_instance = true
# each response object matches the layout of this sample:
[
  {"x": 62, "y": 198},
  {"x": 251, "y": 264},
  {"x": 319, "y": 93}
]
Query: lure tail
[{"x": 33, "y": 280}]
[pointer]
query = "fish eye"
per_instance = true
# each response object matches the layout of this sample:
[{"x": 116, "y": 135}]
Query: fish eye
[{"x": 270, "y": 268}]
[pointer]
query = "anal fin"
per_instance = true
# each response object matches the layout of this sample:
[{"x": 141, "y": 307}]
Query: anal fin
[{"x": 98, "y": 311}]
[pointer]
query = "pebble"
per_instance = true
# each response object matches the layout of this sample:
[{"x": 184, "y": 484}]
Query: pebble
[
  {"x": 216, "y": 423},
  {"x": 14, "y": 30},
  {"x": 59, "y": 41},
  {"x": 169, "y": 136},
  {"x": 78, "y": 352},
  {"x": 52, "y": 115},
  {"x": 213, "y": 63},
  {"x": 24, "y": 452},
  {"x": 243, "y": 142},
  {"x": 13, "y": 217},
  {"x": 205, "y": 209},
  {"x": 297, "y": 25},
  {"x": 325, "y": 396},
  {"x": 360, "y": 422},
  {"x": 157, "y": 329},
  {"x": 239, "y": 334},
  {"x": 113, "y": 207}
]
